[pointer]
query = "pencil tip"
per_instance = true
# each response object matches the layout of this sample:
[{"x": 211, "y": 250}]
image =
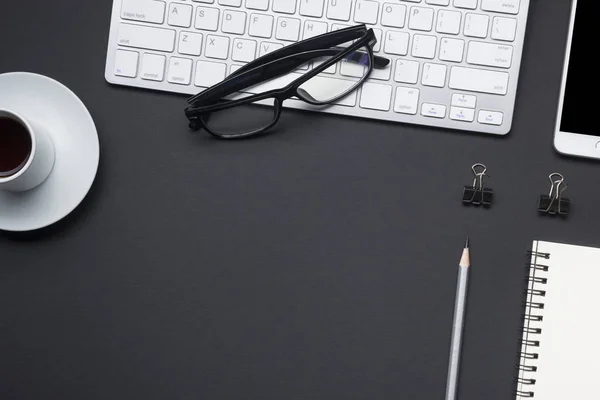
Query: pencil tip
[{"x": 467, "y": 243}]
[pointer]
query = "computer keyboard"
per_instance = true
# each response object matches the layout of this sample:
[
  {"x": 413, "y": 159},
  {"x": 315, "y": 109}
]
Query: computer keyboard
[{"x": 454, "y": 63}]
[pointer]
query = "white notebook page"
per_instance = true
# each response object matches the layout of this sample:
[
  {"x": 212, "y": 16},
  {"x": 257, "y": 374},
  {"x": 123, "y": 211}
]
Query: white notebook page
[{"x": 568, "y": 367}]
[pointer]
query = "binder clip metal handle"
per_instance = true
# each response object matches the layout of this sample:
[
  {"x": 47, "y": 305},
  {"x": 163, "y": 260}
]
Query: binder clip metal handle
[
  {"x": 554, "y": 203},
  {"x": 478, "y": 194}
]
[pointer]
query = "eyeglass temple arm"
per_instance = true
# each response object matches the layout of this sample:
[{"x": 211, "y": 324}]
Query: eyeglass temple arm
[
  {"x": 327, "y": 40},
  {"x": 274, "y": 70}
]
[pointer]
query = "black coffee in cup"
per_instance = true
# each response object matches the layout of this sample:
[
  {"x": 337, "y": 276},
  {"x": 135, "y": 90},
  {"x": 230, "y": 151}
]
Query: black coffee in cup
[{"x": 15, "y": 146}]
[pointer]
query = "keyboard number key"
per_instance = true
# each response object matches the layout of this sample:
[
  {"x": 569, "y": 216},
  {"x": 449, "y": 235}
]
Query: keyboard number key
[
  {"x": 153, "y": 67},
  {"x": 126, "y": 63},
  {"x": 504, "y": 29},
  {"x": 180, "y": 71},
  {"x": 407, "y": 100}
]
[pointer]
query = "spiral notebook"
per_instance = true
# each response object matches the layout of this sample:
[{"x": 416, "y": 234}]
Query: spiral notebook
[{"x": 560, "y": 348}]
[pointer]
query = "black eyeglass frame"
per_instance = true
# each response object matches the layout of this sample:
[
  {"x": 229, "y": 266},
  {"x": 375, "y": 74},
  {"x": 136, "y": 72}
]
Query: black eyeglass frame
[{"x": 276, "y": 64}]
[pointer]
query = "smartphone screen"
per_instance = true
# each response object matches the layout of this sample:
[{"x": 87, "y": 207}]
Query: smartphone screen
[{"x": 578, "y": 113}]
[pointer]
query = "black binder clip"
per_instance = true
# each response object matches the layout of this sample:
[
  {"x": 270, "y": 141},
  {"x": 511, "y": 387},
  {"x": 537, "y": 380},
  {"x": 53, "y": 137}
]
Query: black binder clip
[
  {"x": 554, "y": 203},
  {"x": 478, "y": 194}
]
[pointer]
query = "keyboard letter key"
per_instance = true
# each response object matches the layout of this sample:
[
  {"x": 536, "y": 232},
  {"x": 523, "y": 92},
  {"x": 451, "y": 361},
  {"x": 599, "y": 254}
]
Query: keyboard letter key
[
  {"x": 288, "y": 29},
  {"x": 339, "y": 9},
  {"x": 180, "y": 15},
  {"x": 421, "y": 19},
  {"x": 393, "y": 15},
  {"x": 396, "y": 43},
  {"x": 207, "y": 18},
  {"x": 366, "y": 11}
]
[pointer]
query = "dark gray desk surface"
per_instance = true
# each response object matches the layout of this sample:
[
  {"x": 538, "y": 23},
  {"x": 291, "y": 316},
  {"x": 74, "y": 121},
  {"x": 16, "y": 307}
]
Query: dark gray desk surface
[{"x": 319, "y": 263}]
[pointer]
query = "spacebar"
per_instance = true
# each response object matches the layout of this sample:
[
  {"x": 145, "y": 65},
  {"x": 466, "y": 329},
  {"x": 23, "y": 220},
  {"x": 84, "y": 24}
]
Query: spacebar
[{"x": 478, "y": 80}]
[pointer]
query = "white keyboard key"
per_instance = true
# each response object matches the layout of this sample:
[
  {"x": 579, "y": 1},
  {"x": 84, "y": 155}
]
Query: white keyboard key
[
  {"x": 366, "y": 11},
  {"x": 314, "y": 28},
  {"x": 268, "y": 47},
  {"x": 217, "y": 47},
  {"x": 478, "y": 80},
  {"x": 462, "y": 114},
  {"x": 126, "y": 63},
  {"x": 448, "y": 22},
  {"x": 330, "y": 70},
  {"x": 339, "y": 9},
  {"x": 396, "y": 43},
  {"x": 276, "y": 83},
  {"x": 234, "y": 22},
  {"x": 421, "y": 18},
  {"x": 232, "y": 3},
  {"x": 470, "y": 4},
  {"x": 412, "y": 1},
  {"x": 352, "y": 69},
  {"x": 424, "y": 46},
  {"x": 207, "y": 18},
  {"x": 146, "y": 37},
  {"x": 321, "y": 87},
  {"x": 463, "y": 100},
  {"x": 476, "y": 25},
  {"x": 244, "y": 50},
  {"x": 209, "y": 73},
  {"x": 153, "y": 67},
  {"x": 180, "y": 15},
  {"x": 234, "y": 67},
  {"x": 312, "y": 8},
  {"x": 261, "y": 25},
  {"x": 393, "y": 15},
  {"x": 284, "y": 6},
  {"x": 504, "y": 29},
  {"x": 438, "y": 2},
  {"x": 490, "y": 54},
  {"x": 376, "y": 96},
  {"x": 490, "y": 117},
  {"x": 180, "y": 71},
  {"x": 407, "y": 100},
  {"x": 452, "y": 50},
  {"x": 190, "y": 43},
  {"x": 288, "y": 29},
  {"x": 406, "y": 71},
  {"x": 143, "y": 10},
  {"x": 433, "y": 110},
  {"x": 501, "y": 6},
  {"x": 262, "y": 5},
  {"x": 382, "y": 74},
  {"x": 379, "y": 37},
  {"x": 434, "y": 75}
]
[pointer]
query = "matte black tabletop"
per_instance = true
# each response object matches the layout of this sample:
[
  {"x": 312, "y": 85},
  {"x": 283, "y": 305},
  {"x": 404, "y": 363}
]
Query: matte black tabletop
[{"x": 316, "y": 263}]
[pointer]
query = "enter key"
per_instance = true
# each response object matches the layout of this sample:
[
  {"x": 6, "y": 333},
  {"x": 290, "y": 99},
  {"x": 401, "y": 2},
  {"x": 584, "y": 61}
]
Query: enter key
[{"x": 490, "y": 54}]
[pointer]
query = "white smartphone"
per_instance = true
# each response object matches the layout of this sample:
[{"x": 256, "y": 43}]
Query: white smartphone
[{"x": 577, "y": 130}]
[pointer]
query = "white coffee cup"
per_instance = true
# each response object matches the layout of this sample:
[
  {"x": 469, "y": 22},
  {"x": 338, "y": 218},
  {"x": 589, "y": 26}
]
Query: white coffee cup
[{"x": 34, "y": 168}]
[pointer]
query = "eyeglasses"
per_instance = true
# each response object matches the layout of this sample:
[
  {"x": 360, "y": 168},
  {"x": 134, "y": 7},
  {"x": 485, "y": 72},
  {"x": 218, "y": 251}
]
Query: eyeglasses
[{"x": 279, "y": 76}]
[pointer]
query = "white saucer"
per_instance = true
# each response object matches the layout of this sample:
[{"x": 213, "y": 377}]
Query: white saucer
[{"x": 50, "y": 104}]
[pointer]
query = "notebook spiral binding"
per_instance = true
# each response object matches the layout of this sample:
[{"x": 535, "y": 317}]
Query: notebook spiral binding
[{"x": 532, "y": 319}]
